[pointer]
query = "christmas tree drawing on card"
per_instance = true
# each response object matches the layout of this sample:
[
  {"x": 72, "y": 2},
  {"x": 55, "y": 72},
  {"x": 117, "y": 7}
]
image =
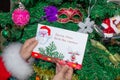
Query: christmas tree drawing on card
[{"x": 59, "y": 44}]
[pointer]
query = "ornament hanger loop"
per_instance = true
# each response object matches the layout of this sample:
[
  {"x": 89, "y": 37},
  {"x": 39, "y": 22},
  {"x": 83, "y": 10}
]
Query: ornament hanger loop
[
  {"x": 21, "y": 6},
  {"x": 90, "y": 8}
]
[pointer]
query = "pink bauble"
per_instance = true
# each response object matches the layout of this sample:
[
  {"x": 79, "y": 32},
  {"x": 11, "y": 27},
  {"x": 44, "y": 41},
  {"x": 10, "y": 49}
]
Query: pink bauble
[{"x": 20, "y": 17}]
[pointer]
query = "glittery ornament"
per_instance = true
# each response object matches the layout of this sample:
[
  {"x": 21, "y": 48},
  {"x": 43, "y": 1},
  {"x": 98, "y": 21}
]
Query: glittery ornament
[
  {"x": 51, "y": 13},
  {"x": 117, "y": 56},
  {"x": 20, "y": 16},
  {"x": 37, "y": 78},
  {"x": 115, "y": 60},
  {"x": 45, "y": 74},
  {"x": 5, "y": 33},
  {"x": 86, "y": 27},
  {"x": 70, "y": 14}
]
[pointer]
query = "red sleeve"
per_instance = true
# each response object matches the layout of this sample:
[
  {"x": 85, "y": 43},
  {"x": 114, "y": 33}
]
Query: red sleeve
[{"x": 4, "y": 74}]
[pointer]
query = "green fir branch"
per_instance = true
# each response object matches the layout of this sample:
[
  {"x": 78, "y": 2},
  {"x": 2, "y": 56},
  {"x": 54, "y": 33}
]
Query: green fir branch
[{"x": 51, "y": 51}]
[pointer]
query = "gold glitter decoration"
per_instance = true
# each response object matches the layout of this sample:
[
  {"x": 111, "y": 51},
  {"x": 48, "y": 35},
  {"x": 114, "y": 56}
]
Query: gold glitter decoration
[
  {"x": 115, "y": 59},
  {"x": 45, "y": 74}
]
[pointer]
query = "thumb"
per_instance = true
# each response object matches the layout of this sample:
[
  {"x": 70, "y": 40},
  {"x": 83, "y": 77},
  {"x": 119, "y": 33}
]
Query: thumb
[{"x": 64, "y": 69}]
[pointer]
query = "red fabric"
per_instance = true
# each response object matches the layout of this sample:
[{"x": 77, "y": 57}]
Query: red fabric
[
  {"x": 61, "y": 62},
  {"x": 109, "y": 29},
  {"x": 4, "y": 74}
]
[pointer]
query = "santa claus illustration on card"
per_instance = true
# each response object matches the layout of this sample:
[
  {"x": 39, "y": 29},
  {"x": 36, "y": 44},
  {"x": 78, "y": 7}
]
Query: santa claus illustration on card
[{"x": 44, "y": 34}]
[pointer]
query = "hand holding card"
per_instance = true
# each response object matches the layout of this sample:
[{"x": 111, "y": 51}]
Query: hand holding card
[{"x": 55, "y": 43}]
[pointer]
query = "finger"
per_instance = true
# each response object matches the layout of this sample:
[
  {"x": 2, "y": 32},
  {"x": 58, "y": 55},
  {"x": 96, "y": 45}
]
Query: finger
[
  {"x": 64, "y": 69},
  {"x": 58, "y": 68},
  {"x": 32, "y": 46},
  {"x": 28, "y": 42},
  {"x": 70, "y": 70},
  {"x": 69, "y": 73}
]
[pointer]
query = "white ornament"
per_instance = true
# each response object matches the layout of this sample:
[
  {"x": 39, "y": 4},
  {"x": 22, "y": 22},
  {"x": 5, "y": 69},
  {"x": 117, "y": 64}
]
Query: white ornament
[{"x": 87, "y": 26}]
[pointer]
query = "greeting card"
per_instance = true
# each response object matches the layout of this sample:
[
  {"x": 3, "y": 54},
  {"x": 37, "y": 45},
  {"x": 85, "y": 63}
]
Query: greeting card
[{"x": 55, "y": 44}]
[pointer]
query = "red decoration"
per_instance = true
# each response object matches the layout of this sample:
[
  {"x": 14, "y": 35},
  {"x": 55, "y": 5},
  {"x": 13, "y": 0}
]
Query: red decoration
[
  {"x": 50, "y": 59},
  {"x": 70, "y": 13},
  {"x": 37, "y": 78},
  {"x": 110, "y": 26}
]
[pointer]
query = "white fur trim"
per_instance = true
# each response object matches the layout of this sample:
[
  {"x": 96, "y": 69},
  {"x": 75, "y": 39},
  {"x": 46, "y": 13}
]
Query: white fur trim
[
  {"x": 114, "y": 26},
  {"x": 14, "y": 62},
  {"x": 104, "y": 25},
  {"x": 108, "y": 35}
]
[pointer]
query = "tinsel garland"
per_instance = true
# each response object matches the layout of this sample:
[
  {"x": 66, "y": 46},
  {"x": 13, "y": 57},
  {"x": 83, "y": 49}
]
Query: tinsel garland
[
  {"x": 115, "y": 59},
  {"x": 96, "y": 64},
  {"x": 45, "y": 74}
]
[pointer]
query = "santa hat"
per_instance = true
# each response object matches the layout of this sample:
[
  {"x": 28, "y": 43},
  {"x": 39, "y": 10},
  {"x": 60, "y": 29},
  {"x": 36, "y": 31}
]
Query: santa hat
[{"x": 46, "y": 28}]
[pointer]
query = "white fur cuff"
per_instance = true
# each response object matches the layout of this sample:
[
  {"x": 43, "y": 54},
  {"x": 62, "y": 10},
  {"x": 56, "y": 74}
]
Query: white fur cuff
[{"x": 14, "y": 62}]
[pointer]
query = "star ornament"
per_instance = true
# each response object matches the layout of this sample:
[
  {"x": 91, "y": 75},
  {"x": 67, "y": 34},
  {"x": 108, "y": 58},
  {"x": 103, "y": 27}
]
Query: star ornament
[{"x": 86, "y": 26}]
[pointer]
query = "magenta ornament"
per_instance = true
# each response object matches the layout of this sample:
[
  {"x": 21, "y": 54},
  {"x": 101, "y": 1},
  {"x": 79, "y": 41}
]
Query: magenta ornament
[{"x": 20, "y": 17}]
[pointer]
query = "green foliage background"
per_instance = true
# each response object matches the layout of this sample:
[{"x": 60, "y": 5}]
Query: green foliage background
[{"x": 96, "y": 65}]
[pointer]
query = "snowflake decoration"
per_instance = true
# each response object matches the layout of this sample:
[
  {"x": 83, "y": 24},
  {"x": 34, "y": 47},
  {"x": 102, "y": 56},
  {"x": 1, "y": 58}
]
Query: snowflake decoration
[{"x": 86, "y": 27}]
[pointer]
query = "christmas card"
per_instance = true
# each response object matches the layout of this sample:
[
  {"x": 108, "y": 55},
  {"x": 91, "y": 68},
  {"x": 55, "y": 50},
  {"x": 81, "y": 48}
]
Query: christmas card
[{"x": 55, "y": 44}]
